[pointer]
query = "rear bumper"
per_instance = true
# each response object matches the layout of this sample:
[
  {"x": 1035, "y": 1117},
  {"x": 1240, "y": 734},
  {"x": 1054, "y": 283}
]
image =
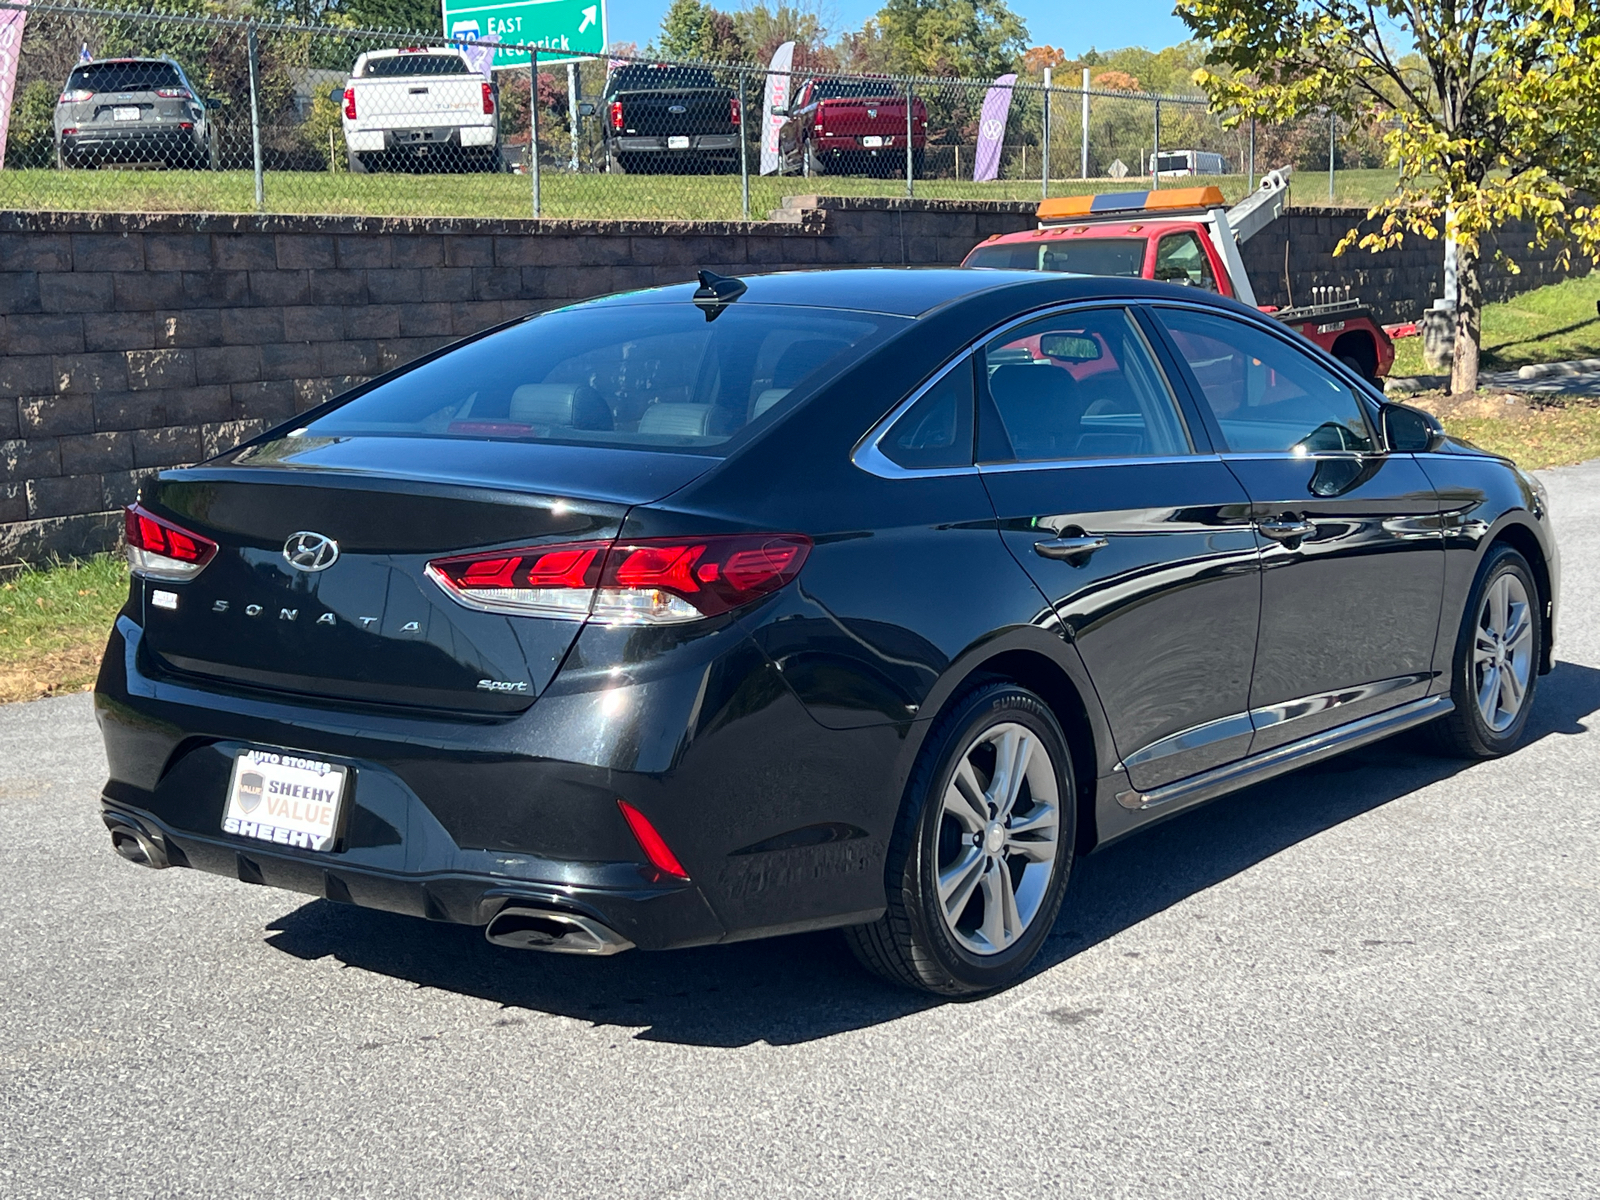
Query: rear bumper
[
  {"x": 658, "y": 145},
  {"x": 451, "y": 817},
  {"x": 421, "y": 140},
  {"x": 150, "y": 136}
]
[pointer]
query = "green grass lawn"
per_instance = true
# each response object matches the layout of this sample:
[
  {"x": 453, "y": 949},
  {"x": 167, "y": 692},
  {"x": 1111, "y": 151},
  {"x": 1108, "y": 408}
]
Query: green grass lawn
[
  {"x": 53, "y": 625},
  {"x": 675, "y": 197},
  {"x": 1548, "y": 324}
]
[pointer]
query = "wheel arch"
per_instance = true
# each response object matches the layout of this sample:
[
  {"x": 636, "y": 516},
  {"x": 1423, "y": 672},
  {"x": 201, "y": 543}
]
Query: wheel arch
[
  {"x": 1526, "y": 542},
  {"x": 1069, "y": 696}
]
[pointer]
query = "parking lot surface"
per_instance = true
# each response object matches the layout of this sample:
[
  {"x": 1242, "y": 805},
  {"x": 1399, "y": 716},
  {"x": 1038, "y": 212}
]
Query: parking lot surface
[{"x": 1377, "y": 977}]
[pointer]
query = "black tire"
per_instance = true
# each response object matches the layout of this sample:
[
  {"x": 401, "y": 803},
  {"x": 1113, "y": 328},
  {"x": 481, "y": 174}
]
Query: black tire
[
  {"x": 814, "y": 164},
  {"x": 357, "y": 163},
  {"x": 913, "y": 944},
  {"x": 1467, "y": 731},
  {"x": 636, "y": 164}
]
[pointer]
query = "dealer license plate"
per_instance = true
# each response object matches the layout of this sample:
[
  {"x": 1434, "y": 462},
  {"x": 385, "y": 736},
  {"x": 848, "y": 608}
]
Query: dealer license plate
[
  {"x": 677, "y": 143},
  {"x": 125, "y": 114},
  {"x": 872, "y": 141},
  {"x": 285, "y": 798}
]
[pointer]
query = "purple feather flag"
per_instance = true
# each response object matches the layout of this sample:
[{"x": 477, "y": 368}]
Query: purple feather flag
[{"x": 992, "y": 129}]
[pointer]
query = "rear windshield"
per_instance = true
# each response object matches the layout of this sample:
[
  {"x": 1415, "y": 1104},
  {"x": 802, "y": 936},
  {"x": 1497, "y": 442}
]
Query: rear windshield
[
  {"x": 852, "y": 89},
  {"x": 1090, "y": 256},
  {"x": 654, "y": 376},
  {"x": 643, "y": 77},
  {"x": 411, "y": 65},
  {"x": 123, "y": 77}
]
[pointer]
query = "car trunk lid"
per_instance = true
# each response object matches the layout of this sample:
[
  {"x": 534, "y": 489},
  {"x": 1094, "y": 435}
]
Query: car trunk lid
[{"x": 370, "y": 626}]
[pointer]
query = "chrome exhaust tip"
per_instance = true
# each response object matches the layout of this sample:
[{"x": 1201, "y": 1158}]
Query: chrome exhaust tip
[
  {"x": 135, "y": 845},
  {"x": 525, "y": 928}
]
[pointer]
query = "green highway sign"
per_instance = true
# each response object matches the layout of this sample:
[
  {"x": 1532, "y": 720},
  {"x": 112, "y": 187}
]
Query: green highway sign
[{"x": 563, "y": 30}]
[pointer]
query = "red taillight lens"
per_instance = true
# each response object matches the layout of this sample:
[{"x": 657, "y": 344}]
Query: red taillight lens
[
  {"x": 174, "y": 94},
  {"x": 734, "y": 111},
  {"x": 488, "y": 99},
  {"x": 616, "y": 115},
  {"x": 75, "y": 96},
  {"x": 651, "y": 842},
  {"x": 162, "y": 550},
  {"x": 350, "y": 104},
  {"x": 542, "y": 581},
  {"x": 654, "y": 581}
]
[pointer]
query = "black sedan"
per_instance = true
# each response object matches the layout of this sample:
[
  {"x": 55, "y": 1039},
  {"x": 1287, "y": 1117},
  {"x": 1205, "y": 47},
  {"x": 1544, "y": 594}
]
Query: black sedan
[{"x": 865, "y": 599}]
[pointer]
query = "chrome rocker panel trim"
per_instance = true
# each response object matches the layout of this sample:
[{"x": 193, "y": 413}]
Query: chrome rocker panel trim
[{"x": 1288, "y": 757}]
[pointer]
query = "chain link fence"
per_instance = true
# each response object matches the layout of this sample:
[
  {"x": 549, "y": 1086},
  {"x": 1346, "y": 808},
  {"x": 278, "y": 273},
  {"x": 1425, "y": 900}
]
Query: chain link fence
[{"x": 131, "y": 111}]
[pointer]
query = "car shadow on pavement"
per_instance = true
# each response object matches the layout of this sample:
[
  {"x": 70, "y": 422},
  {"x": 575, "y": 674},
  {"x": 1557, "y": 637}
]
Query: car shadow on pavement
[{"x": 799, "y": 988}]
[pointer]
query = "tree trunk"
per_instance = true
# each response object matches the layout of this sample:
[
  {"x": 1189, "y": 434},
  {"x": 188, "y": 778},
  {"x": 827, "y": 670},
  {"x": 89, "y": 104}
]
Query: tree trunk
[{"x": 1469, "y": 317}]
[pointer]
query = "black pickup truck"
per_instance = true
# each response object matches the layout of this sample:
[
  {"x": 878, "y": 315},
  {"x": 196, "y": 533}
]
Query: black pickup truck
[{"x": 664, "y": 119}]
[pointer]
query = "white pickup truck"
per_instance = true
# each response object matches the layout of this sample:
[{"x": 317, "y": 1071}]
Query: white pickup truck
[{"x": 422, "y": 108}]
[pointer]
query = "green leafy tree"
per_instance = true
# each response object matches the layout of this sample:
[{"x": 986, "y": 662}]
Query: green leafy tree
[
  {"x": 695, "y": 29},
  {"x": 977, "y": 39},
  {"x": 418, "y": 16},
  {"x": 1492, "y": 112}
]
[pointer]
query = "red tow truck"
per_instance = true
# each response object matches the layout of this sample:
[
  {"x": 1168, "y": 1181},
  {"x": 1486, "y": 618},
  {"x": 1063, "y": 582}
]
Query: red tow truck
[{"x": 1185, "y": 236}]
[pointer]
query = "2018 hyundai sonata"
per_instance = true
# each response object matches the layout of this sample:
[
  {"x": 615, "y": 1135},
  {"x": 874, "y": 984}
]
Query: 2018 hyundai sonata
[{"x": 857, "y": 598}]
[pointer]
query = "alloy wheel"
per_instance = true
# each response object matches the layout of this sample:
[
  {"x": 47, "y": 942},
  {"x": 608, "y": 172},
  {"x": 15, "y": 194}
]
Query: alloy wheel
[
  {"x": 999, "y": 822},
  {"x": 1502, "y": 652}
]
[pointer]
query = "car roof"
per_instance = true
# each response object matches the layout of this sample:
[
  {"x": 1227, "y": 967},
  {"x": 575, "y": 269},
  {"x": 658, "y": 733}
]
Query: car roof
[{"x": 909, "y": 291}]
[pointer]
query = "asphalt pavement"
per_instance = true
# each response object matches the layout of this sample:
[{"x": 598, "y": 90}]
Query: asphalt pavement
[{"x": 1377, "y": 977}]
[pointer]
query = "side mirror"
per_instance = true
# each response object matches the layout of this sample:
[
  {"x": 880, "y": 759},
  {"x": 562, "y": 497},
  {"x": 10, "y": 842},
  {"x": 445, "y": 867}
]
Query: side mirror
[
  {"x": 337, "y": 95},
  {"x": 1408, "y": 430},
  {"x": 781, "y": 112},
  {"x": 212, "y": 104},
  {"x": 585, "y": 109}
]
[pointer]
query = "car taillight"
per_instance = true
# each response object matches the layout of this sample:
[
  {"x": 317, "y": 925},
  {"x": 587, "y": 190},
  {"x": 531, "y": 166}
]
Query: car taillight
[
  {"x": 350, "y": 104},
  {"x": 653, "y": 581},
  {"x": 616, "y": 115},
  {"x": 77, "y": 96},
  {"x": 733, "y": 110},
  {"x": 488, "y": 99},
  {"x": 173, "y": 94},
  {"x": 162, "y": 550}
]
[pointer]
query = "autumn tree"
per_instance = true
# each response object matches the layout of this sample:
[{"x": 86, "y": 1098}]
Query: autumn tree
[{"x": 1491, "y": 107}]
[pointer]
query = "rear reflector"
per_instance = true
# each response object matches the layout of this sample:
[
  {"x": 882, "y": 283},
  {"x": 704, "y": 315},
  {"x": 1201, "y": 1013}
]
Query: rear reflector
[
  {"x": 161, "y": 550},
  {"x": 653, "y": 581},
  {"x": 652, "y": 843}
]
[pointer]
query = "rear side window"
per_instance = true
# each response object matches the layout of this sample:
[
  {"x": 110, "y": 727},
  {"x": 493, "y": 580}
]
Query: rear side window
[
  {"x": 936, "y": 431},
  {"x": 1081, "y": 385},
  {"x": 655, "y": 376},
  {"x": 406, "y": 66},
  {"x": 1266, "y": 395},
  {"x": 1121, "y": 257},
  {"x": 123, "y": 77},
  {"x": 643, "y": 77}
]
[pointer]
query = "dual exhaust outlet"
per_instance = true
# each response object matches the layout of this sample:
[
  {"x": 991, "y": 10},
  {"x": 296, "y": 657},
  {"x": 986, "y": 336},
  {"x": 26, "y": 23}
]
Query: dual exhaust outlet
[{"x": 518, "y": 925}]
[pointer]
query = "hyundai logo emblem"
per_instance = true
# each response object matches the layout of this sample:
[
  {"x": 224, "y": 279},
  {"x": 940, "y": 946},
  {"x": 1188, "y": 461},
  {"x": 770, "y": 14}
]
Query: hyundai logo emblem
[{"x": 306, "y": 551}]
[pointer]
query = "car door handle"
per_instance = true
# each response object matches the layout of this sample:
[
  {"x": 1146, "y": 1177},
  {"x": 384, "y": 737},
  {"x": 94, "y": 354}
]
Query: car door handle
[
  {"x": 1070, "y": 548},
  {"x": 1286, "y": 530}
]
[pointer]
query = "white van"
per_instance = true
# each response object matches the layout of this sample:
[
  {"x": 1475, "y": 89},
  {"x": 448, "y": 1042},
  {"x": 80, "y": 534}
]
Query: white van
[{"x": 1187, "y": 162}]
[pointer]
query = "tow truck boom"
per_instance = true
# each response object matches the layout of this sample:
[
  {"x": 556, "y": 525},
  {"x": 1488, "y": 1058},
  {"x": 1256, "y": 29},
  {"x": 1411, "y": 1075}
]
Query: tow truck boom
[{"x": 1261, "y": 207}]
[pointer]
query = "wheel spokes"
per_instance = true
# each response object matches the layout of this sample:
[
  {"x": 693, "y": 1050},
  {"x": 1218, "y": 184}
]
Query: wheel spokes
[
  {"x": 957, "y": 883},
  {"x": 1488, "y": 692},
  {"x": 1001, "y": 922},
  {"x": 964, "y": 799}
]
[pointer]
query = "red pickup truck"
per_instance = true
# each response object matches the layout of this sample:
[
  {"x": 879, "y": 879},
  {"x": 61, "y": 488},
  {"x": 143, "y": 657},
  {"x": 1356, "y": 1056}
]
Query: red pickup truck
[
  {"x": 1185, "y": 236},
  {"x": 851, "y": 126}
]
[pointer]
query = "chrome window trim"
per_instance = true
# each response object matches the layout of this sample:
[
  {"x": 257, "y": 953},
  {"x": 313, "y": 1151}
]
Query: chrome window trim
[
  {"x": 868, "y": 457},
  {"x": 1132, "y": 460}
]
